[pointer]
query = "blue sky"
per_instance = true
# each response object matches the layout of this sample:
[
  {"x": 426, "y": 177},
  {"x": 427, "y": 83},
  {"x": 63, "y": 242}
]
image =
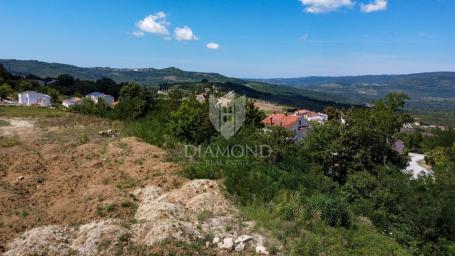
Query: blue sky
[{"x": 255, "y": 38}]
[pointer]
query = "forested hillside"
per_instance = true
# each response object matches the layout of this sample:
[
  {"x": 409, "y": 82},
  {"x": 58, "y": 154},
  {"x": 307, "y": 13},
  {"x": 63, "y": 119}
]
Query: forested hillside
[{"x": 146, "y": 76}]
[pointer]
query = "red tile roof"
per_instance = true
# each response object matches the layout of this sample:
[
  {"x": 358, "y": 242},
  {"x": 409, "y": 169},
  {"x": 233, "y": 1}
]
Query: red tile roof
[{"x": 282, "y": 120}]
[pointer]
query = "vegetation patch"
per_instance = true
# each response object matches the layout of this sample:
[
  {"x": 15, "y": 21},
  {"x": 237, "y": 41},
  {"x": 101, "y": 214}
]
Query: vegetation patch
[
  {"x": 31, "y": 112},
  {"x": 4, "y": 123},
  {"x": 9, "y": 141}
]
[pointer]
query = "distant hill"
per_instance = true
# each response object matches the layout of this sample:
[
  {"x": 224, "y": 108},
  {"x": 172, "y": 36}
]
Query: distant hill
[
  {"x": 428, "y": 91},
  {"x": 146, "y": 76},
  {"x": 285, "y": 95},
  {"x": 436, "y": 84}
]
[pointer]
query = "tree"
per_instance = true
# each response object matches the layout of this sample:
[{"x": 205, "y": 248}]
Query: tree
[
  {"x": 135, "y": 101},
  {"x": 4, "y": 74},
  {"x": 52, "y": 92},
  {"x": 175, "y": 96},
  {"x": 25, "y": 85},
  {"x": 190, "y": 122},
  {"x": 65, "y": 80},
  {"x": 5, "y": 90},
  {"x": 253, "y": 116},
  {"x": 333, "y": 113},
  {"x": 364, "y": 142}
]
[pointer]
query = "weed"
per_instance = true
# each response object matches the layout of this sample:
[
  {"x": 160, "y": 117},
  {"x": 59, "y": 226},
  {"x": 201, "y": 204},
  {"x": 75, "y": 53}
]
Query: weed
[
  {"x": 127, "y": 183},
  {"x": 128, "y": 223},
  {"x": 228, "y": 227},
  {"x": 128, "y": 204},
  {"x": 105, "y": 181},
  {"x": 100, "y": 210},
  {"x": 125, "y": 237},
  {"x": 104, "y": 245},
  {"x": 40, "y": 180},
  {"x": 83, "y": 138},
  {"x": 23, "y": 214},
  {"x": 139, "y": 161},
  {"x": 8, "y": 141},
  {"x": 204, "y": 215},
  {"x": 111, "y": 207}
]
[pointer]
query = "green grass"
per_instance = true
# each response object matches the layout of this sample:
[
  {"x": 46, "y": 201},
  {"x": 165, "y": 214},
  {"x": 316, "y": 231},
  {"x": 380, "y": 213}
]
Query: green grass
[
  {"x": 35, "y": 112},
  {"x": 436, "y": 117},
  {"x": 127, "y": 183}
]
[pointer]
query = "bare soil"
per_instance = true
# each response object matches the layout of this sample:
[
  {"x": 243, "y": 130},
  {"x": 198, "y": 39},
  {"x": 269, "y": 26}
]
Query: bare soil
[
  {"x": 67, "y": 190},
  {"x": 64, "y": 174}
]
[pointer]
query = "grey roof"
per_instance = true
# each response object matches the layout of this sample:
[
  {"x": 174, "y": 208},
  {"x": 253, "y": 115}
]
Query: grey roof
[{"x": 44, "y": 95}]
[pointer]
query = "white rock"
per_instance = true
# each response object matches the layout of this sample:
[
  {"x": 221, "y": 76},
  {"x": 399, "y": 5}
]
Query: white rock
[
  {"x": 19, "y": 178},
  {"x": 243, "y": 239},
  {"x": 240, "y": 247},
  {"x": 227, "y": 244},
  {"x": 216, "y": 240},
  {"x": 261, "y": 250}
]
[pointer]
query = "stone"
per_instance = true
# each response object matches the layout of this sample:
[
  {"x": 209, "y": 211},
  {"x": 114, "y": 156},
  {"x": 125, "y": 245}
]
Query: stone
[
  {"x": 261, "y": 250},
  {"x": 216, "y": 240},
  {"x": 19, "y": 178},
  {"x": 227, "y": 244},
  {"x": 107, "y": 133},
  {"x": 240, "y": 247},
  {"x": 243, "y": 239}
]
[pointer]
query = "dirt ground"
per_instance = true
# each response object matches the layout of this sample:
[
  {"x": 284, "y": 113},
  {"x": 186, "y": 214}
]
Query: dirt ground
[
  {"x": 65, "y": 174},
  {"x": 66, "y": 189}
]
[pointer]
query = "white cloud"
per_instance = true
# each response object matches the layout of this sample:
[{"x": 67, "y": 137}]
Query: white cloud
[
  {"x": 213, "y": 46},
  {"x": 138, "y": 33},
  {"x": 324, "y": 6},
  {"x": 377, "y": 5},
  {"x": 154, "y": 24},
  {"x": 185, "y": 34}
]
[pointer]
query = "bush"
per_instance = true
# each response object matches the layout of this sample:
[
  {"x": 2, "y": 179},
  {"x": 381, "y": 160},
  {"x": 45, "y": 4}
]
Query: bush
[
  {"x": 202, "y": 171},
  {"x": 88, "y": 107},
  {"x": 333, "y": 210},
  {"x": 135, "y": 101}
]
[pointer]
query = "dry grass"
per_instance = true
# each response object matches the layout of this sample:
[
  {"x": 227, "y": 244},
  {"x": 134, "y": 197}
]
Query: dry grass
[
  {"x": 269, "y": 108},
  {"x": 30, "y": 112}
]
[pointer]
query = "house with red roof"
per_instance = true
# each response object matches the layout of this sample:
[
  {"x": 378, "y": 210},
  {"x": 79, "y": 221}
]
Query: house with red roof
[{"x": 297, "y": 124}]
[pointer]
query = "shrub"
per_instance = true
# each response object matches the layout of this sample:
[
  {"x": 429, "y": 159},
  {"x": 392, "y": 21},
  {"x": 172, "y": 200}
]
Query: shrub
[
  {"x": 135, "y": 101},
  {"x": 333, "y": 210},
  {"x": 202, "y": 171}
]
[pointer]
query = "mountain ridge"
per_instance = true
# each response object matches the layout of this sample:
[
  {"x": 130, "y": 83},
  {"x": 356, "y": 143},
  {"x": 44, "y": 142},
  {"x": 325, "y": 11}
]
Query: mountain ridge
[{"x": 146, "y": 76}]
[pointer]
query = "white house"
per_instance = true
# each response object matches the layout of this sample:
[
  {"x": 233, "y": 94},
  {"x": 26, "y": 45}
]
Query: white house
[
  {"x": 71, "y": 102},
  {"x": 319, "y": 117},
  {"x": 297, "y": 124},
  {"x": 30, "y": 98},
  {"x": 312, "y": 116},
  {"x": 200, "y": 98},
  {"x": 95, "y": 96}
]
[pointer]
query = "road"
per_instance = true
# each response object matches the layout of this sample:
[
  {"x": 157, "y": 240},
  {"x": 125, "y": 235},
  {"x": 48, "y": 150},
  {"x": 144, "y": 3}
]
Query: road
[{"x": 415, "y": 168}]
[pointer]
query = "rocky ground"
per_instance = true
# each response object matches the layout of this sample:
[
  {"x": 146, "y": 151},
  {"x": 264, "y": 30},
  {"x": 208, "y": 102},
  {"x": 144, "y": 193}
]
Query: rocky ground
[{"x": 67, "y": 190}]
